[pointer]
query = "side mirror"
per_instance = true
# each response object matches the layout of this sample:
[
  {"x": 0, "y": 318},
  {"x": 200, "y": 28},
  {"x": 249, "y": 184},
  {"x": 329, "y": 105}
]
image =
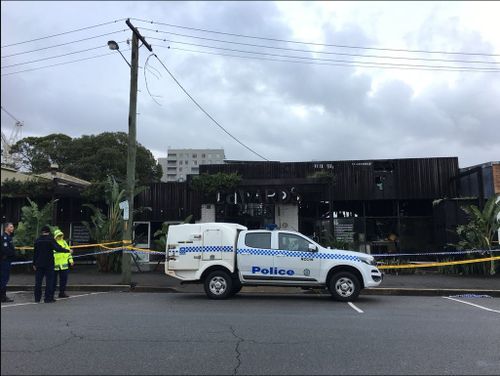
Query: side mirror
[{"x": 313, "y": 248}]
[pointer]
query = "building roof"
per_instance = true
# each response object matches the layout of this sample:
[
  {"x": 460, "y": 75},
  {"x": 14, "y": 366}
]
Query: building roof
[
  {"x": 9, "y": 173},
  {"x": 65, "y": 178}
]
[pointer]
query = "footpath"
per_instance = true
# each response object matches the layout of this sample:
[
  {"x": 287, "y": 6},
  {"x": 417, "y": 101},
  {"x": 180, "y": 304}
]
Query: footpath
[{"x": 422, "y": 283}]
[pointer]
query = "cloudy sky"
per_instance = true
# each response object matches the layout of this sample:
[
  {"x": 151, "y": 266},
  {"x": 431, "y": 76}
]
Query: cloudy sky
[{"x": 353, "y": 88}]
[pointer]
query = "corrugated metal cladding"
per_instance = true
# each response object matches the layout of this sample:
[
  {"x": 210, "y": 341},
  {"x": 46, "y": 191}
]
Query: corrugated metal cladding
[
  {"x": 418, "y": 178},
  {"x": 168, "y": 201}
]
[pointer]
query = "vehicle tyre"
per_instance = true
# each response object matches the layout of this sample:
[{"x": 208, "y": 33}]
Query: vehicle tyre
[
  {"x": 344, "y": 286},
  {"x": 218, "y": 285}
]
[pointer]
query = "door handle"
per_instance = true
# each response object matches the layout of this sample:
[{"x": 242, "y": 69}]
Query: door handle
[
  {"x": 280, "y": 255},
  {"x": 244, "y": 253}
]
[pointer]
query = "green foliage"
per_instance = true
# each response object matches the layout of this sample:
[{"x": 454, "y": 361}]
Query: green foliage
[
  {"x": 482, "y": 227},
  {"x": 109, "y": 226},
  {"x": 32, "y": 220},
  {"x": 29, "y": 188},
  {"x": 92, "y": 158},
  {"x": 210, "y": 184},
  {"x": 37, "y": 153},
  {"x": 161, "y": 235}
]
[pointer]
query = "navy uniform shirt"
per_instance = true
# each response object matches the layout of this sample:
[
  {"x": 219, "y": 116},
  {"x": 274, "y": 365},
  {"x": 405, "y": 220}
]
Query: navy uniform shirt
[
  {"x": 8, "y": 249},
  {"x": 43, "y": 257}
]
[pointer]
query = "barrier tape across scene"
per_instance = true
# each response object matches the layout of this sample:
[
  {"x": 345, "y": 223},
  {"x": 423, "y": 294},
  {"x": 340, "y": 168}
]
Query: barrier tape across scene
[{"x": 135, "y": 250}]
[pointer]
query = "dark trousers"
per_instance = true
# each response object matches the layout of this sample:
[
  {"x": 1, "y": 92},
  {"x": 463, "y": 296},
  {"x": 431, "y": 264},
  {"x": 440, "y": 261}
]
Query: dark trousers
[
  {"x": 63, "y": 280},
  {"x": 5, "y": 275},
  {"x": 48, "y": 273}
]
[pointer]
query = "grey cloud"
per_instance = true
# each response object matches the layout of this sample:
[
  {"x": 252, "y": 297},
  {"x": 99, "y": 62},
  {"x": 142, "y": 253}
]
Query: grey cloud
[{"x": 252, "y": 99}]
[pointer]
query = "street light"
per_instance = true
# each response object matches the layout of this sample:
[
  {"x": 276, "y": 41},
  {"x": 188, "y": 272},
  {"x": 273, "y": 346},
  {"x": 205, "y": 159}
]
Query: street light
[
  {"x": 113, "y": 46},
  {"x": 131, "y": 152}
]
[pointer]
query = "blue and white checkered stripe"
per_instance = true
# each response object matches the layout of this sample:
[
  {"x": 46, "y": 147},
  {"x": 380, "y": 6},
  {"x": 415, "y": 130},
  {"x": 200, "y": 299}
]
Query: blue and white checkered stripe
[
  {"x": 316, "y": 255},
  {"x": 208, "y": 248}
]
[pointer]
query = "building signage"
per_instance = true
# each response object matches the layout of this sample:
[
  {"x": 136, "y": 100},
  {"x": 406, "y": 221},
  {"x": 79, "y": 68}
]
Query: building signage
[
  {"x": 79, "y": 233},
  {"x": 343, "y": 229},
  {"x": 260, "y": 196}
]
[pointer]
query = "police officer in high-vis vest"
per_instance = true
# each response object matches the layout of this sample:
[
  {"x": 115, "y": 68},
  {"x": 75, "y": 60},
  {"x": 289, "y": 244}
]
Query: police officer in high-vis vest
[{"x": 62, "y": 261}]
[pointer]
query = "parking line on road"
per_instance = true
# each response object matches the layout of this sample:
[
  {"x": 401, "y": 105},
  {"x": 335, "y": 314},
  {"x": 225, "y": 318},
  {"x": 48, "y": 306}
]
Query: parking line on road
[
  {"x": 72, "y": 296},
  {"x": 17, "y": 305},
  {"x": 472, "y": 304},
  {"x": 355, "y": 308}
]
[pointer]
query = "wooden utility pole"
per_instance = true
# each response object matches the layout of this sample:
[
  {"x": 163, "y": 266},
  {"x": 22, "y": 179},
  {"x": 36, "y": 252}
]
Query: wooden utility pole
[{"x": 132, "y": 149}]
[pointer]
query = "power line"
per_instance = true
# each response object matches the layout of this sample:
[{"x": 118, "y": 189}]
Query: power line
[
  {"x": 65, "y": 32},
  {"x": 314, "y": 43},
  {"x": 12, "y": 116},
  {"x": 362, "y": 65},
  {"x": 319, "y": 52},
  {"x": 206, "y": 113},
  {"x": 53, "y": 57},
  {"x": 380, "y": 64},
  {"x": 64, "y": 44},
  {"x": 62, "y": 63}
]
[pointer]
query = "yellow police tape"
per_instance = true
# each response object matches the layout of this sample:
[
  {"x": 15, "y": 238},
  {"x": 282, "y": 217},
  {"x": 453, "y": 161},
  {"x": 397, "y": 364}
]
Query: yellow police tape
[
  {"x": 434, "y": 264},
  {"x": 85, "y": 245},
  {"x": 382, "y": 267}
]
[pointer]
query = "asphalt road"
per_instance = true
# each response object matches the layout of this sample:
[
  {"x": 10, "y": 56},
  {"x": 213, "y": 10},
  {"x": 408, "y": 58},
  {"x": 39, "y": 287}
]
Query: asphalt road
[{"x": 151, "y": 333}]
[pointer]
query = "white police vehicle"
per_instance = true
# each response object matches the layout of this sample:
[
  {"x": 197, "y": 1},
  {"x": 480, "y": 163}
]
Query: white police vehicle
[{"x": 226, "y": 256}]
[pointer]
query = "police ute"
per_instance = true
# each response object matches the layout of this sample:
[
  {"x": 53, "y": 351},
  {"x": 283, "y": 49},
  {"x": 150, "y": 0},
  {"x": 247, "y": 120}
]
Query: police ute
[{"x": 227, "y": 256}]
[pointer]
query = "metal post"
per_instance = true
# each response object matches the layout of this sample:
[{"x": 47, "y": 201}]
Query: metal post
[{"x": 132, "y": 148}]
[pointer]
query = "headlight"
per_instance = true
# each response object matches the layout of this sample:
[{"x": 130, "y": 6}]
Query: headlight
[{"x": 368, "y": 261}]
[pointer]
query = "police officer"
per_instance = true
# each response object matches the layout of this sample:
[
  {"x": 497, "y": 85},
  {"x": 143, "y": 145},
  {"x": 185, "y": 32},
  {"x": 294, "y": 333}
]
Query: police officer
[
  {"x": 8, "y": 253},
  {"x": 62, "y": 260},
  {"x": 43, "y": 264}
]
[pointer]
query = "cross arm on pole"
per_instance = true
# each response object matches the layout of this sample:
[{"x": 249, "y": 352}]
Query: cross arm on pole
[{"x": 136, "y": 32}]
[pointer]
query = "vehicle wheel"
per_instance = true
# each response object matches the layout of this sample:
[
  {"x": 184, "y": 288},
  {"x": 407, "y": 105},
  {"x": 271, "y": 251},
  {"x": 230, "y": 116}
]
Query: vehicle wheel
[
  {"x": 218, "y": 285},
  {"x": 344, "y": 286}
]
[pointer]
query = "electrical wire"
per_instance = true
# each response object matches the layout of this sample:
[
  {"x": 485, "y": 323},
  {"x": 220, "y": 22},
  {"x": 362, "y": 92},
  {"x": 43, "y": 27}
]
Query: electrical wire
[
  {"x": 380, "y": 64},
  {"x": 206, "y": 113},
  {"x": 320, "y": 52},
  {"x": 58, "y": 64},
  {"x": 314, "y": 43},
  {"x": 64, "y": 44},
  {"x": 146, "y": 80},
  {"x": 12, "y": 116},
  {"x": 362, "y": 65},
  {"x": 65, "y": 32},
  {"x": 54, "y": 57}
]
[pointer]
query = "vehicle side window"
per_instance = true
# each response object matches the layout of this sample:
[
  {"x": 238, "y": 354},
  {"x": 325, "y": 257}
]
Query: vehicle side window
[
  {"x": 291, "y": 242},
  {"x": 258, "y": 240}
]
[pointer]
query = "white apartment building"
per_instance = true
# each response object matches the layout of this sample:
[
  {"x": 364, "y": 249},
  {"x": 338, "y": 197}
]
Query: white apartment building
[{"x": 182, "y": 162}]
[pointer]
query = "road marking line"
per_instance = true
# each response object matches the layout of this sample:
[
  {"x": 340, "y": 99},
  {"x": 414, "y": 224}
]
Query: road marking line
[
  {"x": 354, "y": 307},
  {"x": 17, "y": 305},
  {"x": 90, "y": 293},
  {"x": 72, "y": 296},
  {"x": 472, "y": 304}
]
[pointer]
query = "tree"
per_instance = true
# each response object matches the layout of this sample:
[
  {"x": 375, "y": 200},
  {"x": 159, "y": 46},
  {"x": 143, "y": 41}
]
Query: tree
[
  {"x": 91, "y": 158},
  {"x": 37, "y": 153},
  {"x": 482, "y": 227}
]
